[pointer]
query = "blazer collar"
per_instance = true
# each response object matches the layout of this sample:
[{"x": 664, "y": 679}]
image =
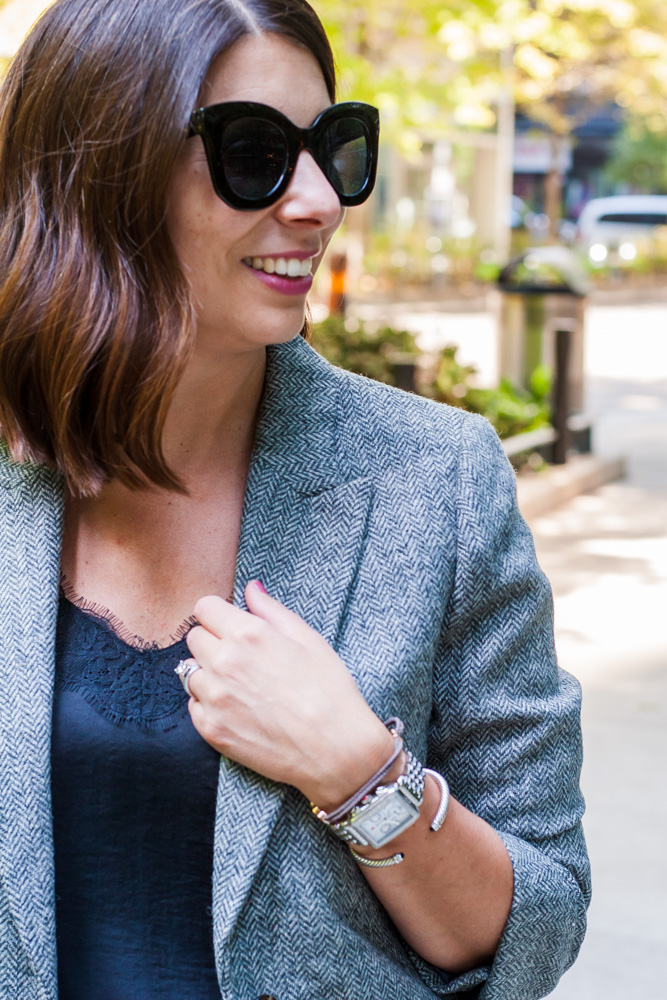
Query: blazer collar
[
  {"x": 303, "y": 524},
  {"x": 298, "y": 426}
]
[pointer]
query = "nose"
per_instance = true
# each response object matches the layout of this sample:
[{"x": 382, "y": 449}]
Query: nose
[{"x": 309, "y": 198}]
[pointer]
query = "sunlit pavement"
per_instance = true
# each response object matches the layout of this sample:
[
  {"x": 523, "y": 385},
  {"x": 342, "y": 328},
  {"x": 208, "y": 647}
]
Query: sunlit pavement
[{"x": 606, "y": 557}]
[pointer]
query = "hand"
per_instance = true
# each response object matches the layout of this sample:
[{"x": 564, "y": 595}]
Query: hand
[{"x": 273, "y": 695}]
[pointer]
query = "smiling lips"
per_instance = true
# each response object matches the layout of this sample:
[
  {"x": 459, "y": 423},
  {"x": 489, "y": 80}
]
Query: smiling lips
[{"x": 289, "y": 267}]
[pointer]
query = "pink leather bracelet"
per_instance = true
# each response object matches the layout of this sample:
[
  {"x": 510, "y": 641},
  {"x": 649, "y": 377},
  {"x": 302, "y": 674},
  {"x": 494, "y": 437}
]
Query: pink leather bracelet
[{"x": 395, "y": 727}]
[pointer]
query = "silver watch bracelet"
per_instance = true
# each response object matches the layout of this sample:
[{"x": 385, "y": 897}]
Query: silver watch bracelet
[{"x": 438, "y": 820}]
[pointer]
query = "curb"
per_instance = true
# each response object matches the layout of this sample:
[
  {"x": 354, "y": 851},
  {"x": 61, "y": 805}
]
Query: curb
[{"x": 540, "y": 493}]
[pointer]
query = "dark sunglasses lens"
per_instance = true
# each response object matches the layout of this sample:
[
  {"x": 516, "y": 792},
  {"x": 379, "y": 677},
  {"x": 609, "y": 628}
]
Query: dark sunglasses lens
[
  {"x": 348, "y": 155},
  {"x": 254, "y": 157}
]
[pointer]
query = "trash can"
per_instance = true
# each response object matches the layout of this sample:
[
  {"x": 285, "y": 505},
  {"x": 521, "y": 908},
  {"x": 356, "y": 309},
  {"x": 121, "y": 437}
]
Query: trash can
[{"x": 542, "y": 322}]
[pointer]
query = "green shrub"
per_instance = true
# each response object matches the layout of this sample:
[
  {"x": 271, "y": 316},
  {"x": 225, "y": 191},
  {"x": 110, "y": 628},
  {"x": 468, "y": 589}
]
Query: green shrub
[
  {"x": 510, "y": 410},
  {"x": 362, "y": 348},
  {"x": 370, "y": 351}
]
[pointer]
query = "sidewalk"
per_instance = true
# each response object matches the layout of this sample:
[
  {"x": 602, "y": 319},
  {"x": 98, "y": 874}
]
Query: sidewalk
[{"x": 606, "y": 556}]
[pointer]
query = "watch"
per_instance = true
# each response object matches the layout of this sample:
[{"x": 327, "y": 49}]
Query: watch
[{"x": 386, "y": 812}]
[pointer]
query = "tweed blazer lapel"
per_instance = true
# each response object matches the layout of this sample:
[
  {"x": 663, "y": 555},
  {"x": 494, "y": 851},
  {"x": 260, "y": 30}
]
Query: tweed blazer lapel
[
  {"x": 305, "y": 512},
  {"x": 303, "y": 524},
  {"x": 30, "y": 533}
]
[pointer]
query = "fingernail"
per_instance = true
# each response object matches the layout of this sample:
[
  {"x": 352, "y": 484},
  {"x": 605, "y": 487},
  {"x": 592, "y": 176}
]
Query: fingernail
[{"x": 260, "y": 586}]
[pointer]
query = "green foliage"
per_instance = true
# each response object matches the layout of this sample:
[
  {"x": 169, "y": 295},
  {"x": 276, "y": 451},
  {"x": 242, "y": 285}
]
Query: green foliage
[
  {"x": 510, "y": 410},
  {"x": 487, "y": 271},
  {"x": 432, "y": 66},
  {"x": 541, "y": 383},
  {"x": 362, "y": 348},
  {"x": 639, "y": 156}
]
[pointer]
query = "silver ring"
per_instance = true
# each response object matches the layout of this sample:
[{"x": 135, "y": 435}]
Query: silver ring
[{"x": 185, "y": 669}]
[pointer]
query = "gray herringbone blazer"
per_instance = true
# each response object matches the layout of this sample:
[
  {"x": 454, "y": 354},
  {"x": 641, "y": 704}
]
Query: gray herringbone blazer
[{"x": 389, "y": 523}]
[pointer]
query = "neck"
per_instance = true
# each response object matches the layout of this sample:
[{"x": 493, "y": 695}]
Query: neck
[{"x": 211, "y": 422}]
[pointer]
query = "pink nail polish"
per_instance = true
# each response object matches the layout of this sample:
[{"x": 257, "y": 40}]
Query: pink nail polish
[{"x": 260, "y": 586}]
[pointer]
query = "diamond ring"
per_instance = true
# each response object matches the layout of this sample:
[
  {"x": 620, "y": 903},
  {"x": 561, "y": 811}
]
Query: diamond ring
[{"x": 185, "y": 670}]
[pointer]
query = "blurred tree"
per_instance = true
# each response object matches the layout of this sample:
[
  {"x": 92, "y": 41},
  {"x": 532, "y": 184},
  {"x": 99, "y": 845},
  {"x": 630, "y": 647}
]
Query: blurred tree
[
  {"x": 639, "y": 156},
  {"x": 16, "y": 18},
  {"x": 427, "y": 64}
]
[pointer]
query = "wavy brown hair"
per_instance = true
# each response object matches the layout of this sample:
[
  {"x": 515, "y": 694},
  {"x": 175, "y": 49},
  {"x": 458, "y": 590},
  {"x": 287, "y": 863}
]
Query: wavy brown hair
[{"x": 96, "y": 317}]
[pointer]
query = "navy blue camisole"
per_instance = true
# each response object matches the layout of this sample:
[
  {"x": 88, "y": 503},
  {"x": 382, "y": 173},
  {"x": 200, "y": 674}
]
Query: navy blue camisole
[{"x": 134, "y": 789}]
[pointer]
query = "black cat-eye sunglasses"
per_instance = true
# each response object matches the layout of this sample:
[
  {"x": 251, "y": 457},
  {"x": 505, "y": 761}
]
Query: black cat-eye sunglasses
[{"x": 252, "y": 150}]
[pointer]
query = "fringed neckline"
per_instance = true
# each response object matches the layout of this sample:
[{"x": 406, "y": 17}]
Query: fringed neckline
[{"x": 117, "y": 627}]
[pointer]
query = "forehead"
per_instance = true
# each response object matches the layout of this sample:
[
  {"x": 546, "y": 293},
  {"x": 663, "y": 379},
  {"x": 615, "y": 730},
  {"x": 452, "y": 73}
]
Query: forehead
[{"x": 271, "y": 70}]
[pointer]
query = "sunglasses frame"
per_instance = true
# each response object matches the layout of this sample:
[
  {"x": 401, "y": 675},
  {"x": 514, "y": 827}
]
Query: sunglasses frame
[{"x": 210, "y": 122}]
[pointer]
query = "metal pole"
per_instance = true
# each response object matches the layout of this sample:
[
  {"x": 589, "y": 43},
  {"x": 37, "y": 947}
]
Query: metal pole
[
  {"x": 404, "y": 373},
  {"x": 561, "y": 395}
]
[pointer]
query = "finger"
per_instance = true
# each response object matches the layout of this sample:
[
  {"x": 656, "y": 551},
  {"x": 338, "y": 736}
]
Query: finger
[
  {"x": 286, "y": 622},
  {"x": 217, "y": 615},
  {"x": 197, "y": 714},
  {"x": 203, "y": 645},
  {"x": 190, "y": 661}
]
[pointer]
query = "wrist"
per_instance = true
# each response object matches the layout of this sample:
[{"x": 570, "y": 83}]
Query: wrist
[{"x": 351, "y": 765}]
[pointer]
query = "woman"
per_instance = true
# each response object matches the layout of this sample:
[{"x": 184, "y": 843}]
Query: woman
[{"x": 172, "y": 441}]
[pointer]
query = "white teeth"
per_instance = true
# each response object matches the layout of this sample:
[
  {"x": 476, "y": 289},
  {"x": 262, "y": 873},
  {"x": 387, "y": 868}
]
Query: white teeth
[{"x": 292, "y": 267}]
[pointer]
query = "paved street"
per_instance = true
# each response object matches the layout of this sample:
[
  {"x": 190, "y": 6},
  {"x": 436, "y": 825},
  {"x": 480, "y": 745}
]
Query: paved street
[{"x": 626, "y": 365}]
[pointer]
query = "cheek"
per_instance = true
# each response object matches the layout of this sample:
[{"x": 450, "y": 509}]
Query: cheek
[
  {"x": 193, "y": 216},
  {"x": 329, "y": 233},
  {"x": 202, "y": 239}
]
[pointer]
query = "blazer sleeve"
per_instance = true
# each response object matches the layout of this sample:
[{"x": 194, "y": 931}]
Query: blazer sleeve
[{"x": 505, "y": 729}]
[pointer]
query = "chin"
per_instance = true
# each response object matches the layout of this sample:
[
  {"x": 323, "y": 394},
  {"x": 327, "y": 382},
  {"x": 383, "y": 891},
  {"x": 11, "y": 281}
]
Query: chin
[{"x": 281, "y": 331}]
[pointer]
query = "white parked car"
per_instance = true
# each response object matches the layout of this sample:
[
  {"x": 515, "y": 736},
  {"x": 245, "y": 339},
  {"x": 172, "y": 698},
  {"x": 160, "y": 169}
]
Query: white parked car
[{"x": 616, "y": 227}]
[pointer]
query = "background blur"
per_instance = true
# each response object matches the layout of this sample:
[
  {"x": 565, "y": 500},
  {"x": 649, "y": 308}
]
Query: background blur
[{"x": 513, "y": 260}]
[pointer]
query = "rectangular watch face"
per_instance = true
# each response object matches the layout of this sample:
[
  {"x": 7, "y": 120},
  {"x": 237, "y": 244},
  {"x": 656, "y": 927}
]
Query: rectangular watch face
[{"x": 385, "y": 819}]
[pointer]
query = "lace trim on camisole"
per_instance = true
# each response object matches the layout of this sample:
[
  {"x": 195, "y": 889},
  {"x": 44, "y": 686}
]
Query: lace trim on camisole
[
  {"x": 126, "y": 679},
  {"x": 129, "y": 686}
]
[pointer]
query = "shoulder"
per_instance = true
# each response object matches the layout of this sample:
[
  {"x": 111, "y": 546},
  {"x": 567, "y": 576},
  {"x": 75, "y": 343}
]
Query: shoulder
[
  {"x": 398, "y": 428},
  {"x": 25, "y": 476}
]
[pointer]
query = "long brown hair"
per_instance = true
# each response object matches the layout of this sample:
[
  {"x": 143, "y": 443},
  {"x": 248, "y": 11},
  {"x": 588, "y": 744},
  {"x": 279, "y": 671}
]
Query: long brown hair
[{"x": 96, "y": 318}]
